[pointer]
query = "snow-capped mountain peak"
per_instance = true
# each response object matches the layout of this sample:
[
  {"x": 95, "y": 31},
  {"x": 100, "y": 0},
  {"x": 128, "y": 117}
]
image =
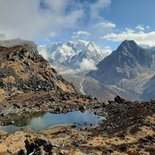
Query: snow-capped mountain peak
[
  {"x": 94, "y": 52},
  {"x": 73, "y": 53}
]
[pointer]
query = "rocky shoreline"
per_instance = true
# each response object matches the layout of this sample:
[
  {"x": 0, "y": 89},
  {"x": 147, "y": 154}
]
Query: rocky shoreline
[
  {"x": 39, "y": 102},
  {"x": 129, "y": 128}
]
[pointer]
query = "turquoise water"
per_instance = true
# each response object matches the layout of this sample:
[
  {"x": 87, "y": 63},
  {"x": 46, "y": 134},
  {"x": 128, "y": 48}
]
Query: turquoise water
[{"x": 47, "y": 120}]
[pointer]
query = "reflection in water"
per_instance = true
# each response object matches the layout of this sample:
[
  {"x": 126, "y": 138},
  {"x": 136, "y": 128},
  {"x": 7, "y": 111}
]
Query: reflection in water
[{"x": 47, "y": 120}]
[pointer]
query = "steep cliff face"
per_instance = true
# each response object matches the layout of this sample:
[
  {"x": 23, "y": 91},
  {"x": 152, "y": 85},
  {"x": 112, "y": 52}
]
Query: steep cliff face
[{"x": 22, "y": 69}]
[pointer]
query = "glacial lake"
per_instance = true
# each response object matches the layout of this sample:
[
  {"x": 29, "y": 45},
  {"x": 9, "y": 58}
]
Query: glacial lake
[{"x": 48, "y": 120}]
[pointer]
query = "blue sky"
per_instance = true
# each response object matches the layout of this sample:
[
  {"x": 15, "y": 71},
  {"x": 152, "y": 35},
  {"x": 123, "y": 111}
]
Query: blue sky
[
  {"x": 106, "y": 22},
  {"x": 129, "y": 13}
]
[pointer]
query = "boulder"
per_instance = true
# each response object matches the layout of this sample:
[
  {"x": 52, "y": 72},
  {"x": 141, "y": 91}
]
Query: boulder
[
  {"x": 119, "y": 99},
  {"x": 38, "y": 146},
  {"x": 82, "y": 108}
]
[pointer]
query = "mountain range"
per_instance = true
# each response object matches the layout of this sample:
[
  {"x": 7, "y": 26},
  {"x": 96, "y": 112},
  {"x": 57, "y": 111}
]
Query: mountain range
[
  {"x": 128, "y": 71},
  {"x": 79, "y": 54}
]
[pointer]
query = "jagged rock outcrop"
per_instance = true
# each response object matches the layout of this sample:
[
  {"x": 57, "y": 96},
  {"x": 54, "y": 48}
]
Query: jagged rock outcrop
[{"x": 22, "y": 69}]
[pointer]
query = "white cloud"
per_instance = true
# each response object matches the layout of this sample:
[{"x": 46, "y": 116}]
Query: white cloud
[
  {"x": 43, "y": 51},
  {"x": 30, "y": 19},
  {"x": 2, "y": 36},
  {"x": 140, "y": 27},
  {"x": 79, "y": 33},
  {"x": 106, "y": 25},
  {"x": 52, "y": 34},
  {"x": 97, "y": 7},
  {"x": 87, "y": 65},
  {"x": 128, "y": 30},
  {"x": 75, "y": 37},
  {"x": 94, "y": 31},
  {"x": 107, "y": 50},
  {"x": 140, "y": 37}
]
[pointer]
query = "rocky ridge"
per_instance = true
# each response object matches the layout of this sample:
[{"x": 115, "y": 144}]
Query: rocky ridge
[
  {"x": 29, "y": 84},
  {"x": 22, "y": 69}
]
